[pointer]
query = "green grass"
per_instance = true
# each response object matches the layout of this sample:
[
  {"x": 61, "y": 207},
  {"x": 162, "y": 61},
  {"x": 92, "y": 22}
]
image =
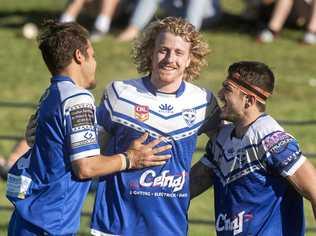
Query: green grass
[{"x": 24, "y": 77}]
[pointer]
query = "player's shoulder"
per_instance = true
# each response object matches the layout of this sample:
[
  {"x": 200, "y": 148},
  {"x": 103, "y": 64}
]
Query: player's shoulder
[
  {"x": 275, "y": 135},
  {"x": 192, "y": 88},
  {"x": 68, "y": 90},
  {"x": 121, "y": 86},
  {"x": 269, "y": 132},
  {"x": 264, "y": 126},
  {"x": 72, "y": 95},
  {"x": 199, "y": 93}
]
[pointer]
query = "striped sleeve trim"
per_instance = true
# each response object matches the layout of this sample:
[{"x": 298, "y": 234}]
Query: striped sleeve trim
[
  {"x": 294, "y": 168},
  {"x": 85, "y": 154}
]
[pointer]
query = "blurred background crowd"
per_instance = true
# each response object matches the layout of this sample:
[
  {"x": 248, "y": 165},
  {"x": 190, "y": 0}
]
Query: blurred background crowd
[{"x": 269, "y": 16}]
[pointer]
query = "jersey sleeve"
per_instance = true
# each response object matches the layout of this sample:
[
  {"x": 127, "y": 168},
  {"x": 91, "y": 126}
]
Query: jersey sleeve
[
  {"x": 283, "y": 153},
  {"x": 212, "y": 118},
  {"x": 80, "y": 116}
]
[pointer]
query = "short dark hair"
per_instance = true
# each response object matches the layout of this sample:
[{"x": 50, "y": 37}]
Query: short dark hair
[
  {"x": 255, "y": 73},
  {"x": 59, "y": 41}
]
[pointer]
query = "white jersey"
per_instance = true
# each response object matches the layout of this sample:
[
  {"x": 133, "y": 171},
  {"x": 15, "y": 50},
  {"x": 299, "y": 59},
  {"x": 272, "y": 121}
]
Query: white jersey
[{"x": 151, "y": 201}]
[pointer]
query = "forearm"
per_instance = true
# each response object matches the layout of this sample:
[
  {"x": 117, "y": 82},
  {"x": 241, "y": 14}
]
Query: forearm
[
  {"x": 17, "y": 152},
  {"x": 97, "y": 166},
  {"x": 137, "y": 156},
  {"x": 200, "y": 179}
]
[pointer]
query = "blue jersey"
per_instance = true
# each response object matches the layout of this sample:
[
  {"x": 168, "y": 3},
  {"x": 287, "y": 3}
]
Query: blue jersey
[
  {"x": 150, "y": 201},
  {"x": 41, "y": 185},
  {"x": 252, "y": 197}
]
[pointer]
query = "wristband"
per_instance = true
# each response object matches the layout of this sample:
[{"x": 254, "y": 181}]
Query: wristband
[
  {"x": 125, "y": 161},
  {"x": 128, "y": 163}
]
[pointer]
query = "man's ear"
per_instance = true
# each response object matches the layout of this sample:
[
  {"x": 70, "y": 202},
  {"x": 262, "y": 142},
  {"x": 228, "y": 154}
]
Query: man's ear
[
  {"x": 250, "y": 100},
  {"x": 78, "y": 56}
]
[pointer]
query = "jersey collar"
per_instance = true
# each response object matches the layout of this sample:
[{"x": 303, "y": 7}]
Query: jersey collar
[
  {"x": 152, "y": 89},
  {"x": 59, "y": 78}
]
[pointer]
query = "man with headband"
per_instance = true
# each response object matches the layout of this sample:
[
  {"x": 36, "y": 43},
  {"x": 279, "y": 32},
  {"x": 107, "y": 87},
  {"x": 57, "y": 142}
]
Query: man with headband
[{"x": 257, "y": 169}]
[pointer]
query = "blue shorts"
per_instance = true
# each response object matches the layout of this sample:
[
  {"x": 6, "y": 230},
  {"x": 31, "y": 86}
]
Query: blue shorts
[{"x": 20, "y": 227}]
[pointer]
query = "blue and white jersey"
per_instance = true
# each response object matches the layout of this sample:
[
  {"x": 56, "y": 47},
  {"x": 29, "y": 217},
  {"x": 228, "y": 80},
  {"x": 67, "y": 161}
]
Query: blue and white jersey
[
  {"x": 252, "y": 197},
  {"x": 41, "y": 185},
  {"x": 151, "y": 201}
]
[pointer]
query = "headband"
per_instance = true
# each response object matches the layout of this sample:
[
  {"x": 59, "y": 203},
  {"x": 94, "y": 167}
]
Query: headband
[{"x": 249, "y": 89}]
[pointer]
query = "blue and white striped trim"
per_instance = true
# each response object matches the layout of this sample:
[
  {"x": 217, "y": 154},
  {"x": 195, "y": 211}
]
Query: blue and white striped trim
[
  {"x": 295, "y": 167},
  {"x": 85, "y": 154}
]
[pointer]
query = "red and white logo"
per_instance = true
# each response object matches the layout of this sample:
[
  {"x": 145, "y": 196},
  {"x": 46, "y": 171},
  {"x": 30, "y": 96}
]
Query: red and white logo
[{"x": 141, "y": 112}]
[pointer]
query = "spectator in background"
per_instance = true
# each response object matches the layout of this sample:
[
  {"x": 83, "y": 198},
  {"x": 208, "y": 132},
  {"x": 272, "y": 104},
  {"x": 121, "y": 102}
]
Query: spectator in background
[
  {"x": 281, "y": 13},
  {"x": 203, "y": 13},
  {"x": 252, "y": 9},
  {"x": 145, "y": 11},
  {"x": 102, "y": 22},
  {"x": 198, "y": 12}
]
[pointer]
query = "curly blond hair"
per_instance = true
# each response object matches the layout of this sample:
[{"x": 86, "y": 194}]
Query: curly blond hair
[{"x": 144, "y": 45}]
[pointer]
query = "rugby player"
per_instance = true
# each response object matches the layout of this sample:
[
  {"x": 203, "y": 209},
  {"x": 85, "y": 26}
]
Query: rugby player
[
  {"x": 49, "y": 183},
  {"x": 154, "y": 201},
  {"x": 257, "y": 169}
]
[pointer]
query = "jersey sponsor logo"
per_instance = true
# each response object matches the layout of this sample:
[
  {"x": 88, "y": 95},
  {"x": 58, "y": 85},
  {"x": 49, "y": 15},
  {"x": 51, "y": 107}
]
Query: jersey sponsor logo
[
  {"x": 235, "y": 223},
  {"x": 83, "y": 139},
  {"x": 277, "y": 142},
  {"x": 81, "y": 115},
  {"x": 18, "y": 185},
  {"x": 150, "y": 179},
  {"x": 141, "y": 112},
  {"x": 280, "y": 146},
  {"x": 88, "y": 135},
  {"x": 189, "y": 115},
  {"x": 166, "y": 108}
]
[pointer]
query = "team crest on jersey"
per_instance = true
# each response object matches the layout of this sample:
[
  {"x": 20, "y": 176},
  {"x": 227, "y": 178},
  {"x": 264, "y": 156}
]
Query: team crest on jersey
[
  {"x": 189, "y": 115},
  {"x": 141, "y": 112}
]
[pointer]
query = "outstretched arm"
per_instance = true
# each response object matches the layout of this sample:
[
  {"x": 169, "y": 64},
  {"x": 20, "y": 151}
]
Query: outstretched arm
[
  {"x": 137, "y": 156},
  {"x": 304, "y": 180},
  {"x": 201, "y": 178}
]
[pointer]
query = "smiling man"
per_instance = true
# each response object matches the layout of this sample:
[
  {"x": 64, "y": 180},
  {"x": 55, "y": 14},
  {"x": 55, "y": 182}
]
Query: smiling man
[
  {"x": 258, "y": 170},
  {"x": 49, "y": 183},
  {"x": 155, "y": 201}
]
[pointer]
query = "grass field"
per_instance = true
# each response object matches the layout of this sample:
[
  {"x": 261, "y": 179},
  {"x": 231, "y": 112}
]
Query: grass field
[{"x": 24, "y": 76}]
